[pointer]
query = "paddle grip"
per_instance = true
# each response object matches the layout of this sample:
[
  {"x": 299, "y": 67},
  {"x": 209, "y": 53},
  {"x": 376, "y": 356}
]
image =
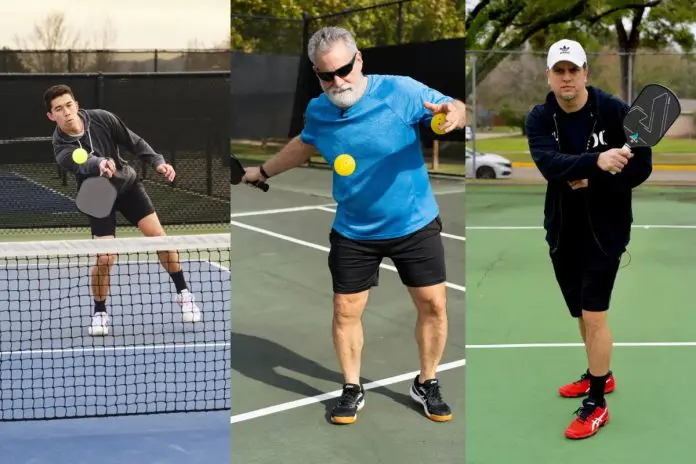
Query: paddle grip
[{"x": 625, "y": 146}]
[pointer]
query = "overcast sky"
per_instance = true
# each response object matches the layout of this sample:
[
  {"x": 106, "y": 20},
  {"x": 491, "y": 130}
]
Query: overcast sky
[{"x": 138, "y": 24}]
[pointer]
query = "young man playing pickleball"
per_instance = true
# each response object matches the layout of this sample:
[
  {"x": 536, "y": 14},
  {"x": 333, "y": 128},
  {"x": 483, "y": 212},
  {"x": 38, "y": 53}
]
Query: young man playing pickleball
[
  {"x": 576, "y": 139},
  {"x": 366, "y": 126},
  {"x": 101, "y": 133}
]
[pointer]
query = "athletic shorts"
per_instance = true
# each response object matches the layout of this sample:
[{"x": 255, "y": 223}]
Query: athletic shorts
[
  {"x": 134, "y": 204},
  {"x": 585, "y": 276},
  {"x": 418, "y": 257}
]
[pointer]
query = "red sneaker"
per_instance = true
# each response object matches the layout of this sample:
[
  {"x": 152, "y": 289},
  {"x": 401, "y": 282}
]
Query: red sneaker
[
  {"x": 582, "y": 387},
  {"x": 590, "y": 418}
]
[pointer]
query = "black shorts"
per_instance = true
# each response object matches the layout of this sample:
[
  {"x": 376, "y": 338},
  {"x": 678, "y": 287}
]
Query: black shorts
[
  {"x": 418, "y": 257},
  {"x": 134, "y": 204},
  {"x": 586, "y": 277}
]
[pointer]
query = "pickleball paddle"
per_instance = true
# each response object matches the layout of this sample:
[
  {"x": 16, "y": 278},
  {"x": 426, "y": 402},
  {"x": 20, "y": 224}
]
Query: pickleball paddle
[
  {"x": 650, "y": 116},
  {"x": 237, "y": 172}
]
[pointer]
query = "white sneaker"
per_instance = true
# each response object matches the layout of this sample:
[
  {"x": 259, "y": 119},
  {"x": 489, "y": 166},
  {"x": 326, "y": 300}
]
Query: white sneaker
[
  {"x": 100, "y": 324},
  {"x": 189, "y": 310}
]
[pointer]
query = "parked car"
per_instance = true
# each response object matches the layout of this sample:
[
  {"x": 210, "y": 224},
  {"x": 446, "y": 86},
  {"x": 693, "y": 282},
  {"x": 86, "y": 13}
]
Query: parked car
[{"x": 488, "y": 165}]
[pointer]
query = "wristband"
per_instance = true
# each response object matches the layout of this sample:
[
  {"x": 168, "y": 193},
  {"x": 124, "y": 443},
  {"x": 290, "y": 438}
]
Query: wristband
[{"x": 263, "y": 172}]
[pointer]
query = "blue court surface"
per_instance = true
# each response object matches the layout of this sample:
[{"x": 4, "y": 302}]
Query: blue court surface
[
  {"x": 151, "y": 362},
  {"x": 21, "y": 194}
]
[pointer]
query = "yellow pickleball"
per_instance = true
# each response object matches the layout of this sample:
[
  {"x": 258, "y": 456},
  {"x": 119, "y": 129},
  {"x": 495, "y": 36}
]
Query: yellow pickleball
[
  {"x": 437, "y": 120},
  {"x": 79, "y": 156},
  {"x": 344, "y": 165}
]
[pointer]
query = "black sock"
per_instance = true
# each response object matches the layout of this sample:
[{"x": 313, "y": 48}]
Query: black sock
[
  {"x": 99, "y": 306},
  {"x": 179, "y": 281},
  {"x": 597, "y": 385}
]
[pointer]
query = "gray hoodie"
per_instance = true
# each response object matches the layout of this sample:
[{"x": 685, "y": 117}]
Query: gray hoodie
[{"x": 104, "y": 134}]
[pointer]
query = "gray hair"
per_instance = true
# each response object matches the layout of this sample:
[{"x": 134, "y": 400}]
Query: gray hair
[{"x": 325, "y": 38}]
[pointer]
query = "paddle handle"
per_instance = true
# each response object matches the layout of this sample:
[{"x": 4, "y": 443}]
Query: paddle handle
[{"x": 625, "y": 146}]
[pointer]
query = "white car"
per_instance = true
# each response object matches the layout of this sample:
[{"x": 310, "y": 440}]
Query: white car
[{"x": 488, "y": 165}]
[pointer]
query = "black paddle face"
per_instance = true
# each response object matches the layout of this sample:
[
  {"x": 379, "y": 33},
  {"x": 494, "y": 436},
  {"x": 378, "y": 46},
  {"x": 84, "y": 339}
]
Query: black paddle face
[
  {"x": 237, "y": 172},
  {"x": 651, "y": 115}
]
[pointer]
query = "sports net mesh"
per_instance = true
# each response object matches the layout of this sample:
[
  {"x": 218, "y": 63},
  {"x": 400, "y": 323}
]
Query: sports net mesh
[
  {"x": 160, "y": 351},
  {"x": 36, "y": 193}
]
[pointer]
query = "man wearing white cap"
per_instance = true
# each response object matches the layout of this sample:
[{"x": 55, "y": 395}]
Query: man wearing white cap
[{"x": 575, "y": 138}]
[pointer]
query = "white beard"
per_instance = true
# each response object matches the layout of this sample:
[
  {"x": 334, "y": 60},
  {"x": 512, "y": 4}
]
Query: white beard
[{"x": 346, "y": 95}]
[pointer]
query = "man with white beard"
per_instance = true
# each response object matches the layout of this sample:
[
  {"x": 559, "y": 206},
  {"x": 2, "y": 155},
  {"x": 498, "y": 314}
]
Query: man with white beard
[{"x": 366, "y": 128}]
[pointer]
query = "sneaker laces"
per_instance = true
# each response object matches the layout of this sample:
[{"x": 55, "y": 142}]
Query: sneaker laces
[
  {"x": 349, "y": 397},
  {"x": 432, "y": 394},
  {"x": 586, "y": 410}
]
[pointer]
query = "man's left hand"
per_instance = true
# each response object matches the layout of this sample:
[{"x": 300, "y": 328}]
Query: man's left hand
[
  {"x": 454, "y": 120},
  {"x": 167, "y": 171}
]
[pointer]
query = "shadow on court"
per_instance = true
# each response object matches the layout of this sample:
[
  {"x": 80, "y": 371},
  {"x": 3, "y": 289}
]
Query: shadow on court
[
  {"x": 268, "y": 356},
  {"x": 285, "y": 373}
]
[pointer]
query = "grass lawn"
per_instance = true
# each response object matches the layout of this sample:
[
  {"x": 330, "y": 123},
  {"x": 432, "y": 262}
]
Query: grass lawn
[{"x": 668, "y": 151}]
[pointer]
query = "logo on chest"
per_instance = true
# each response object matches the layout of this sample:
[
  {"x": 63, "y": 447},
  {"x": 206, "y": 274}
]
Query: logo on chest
[{"x": 597, "y": 139}]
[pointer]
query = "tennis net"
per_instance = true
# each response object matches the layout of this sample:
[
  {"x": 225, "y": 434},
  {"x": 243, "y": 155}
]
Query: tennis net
[{"x": 160, "y": 350}]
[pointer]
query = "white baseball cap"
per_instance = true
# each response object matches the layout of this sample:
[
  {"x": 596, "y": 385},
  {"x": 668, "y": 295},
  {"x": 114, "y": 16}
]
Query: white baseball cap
[{"x": 566, "y": 50}]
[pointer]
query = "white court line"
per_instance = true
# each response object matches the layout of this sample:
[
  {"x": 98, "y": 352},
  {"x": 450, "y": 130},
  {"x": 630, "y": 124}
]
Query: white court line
[
  {"x": 400, "y": 378},
  {"x": 113, "y": 349},
  {"x": 297, "y": 241},
  {"x": 334, "y": 394},
  {"x": 452, "y": 236},
  {"x": 634, "y": 226},
  {"x": 280, "y": 210}
]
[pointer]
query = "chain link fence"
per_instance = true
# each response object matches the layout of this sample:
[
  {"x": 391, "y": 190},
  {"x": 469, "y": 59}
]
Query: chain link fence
[
  {"x": 503, "y": 86},
  {"x": 91, "y": 61}
]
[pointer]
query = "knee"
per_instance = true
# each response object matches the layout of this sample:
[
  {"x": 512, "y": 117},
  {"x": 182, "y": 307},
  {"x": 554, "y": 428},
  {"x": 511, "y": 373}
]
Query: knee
[
  {"x": 434, "y": 305},
  {"x": 594, "y": 320},
  {"x": 348, "y": 308}
]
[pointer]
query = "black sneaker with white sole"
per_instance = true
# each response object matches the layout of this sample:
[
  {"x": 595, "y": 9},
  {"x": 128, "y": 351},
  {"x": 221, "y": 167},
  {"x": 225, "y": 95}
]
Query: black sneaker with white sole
[
  {"x": 351, "y": 401},
  {"x": 429, "y": 396}
]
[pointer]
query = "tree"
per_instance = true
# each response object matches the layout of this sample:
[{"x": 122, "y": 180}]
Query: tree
[
  {"x": 510, "y": 25},
  {"x": 51, "y": 39},
  {"x": 277, "y": 26}
]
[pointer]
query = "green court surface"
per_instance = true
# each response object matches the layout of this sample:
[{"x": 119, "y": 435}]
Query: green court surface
[
  {"x": 285, "y": 375},
  {"x": 522, "y": 344}
]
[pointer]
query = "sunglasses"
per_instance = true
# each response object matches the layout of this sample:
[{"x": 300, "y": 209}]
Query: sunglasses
[{"x": 343, "y": 71}]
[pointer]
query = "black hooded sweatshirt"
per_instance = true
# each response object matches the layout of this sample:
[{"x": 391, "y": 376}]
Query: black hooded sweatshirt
[
  {"x": 104, "y": 135},
  {"x": 565, "y": 147}
]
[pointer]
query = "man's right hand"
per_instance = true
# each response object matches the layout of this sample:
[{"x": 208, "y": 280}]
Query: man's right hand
[
  {"x": 108, "y": 167},
  {"x": 252, "y": 174},
  {"x": 614, "y": 160}
]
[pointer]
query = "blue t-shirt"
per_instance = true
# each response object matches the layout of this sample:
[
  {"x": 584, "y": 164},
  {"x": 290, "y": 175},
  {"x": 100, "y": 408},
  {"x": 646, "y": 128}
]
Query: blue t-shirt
[{"x": 389, "y": 194}]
